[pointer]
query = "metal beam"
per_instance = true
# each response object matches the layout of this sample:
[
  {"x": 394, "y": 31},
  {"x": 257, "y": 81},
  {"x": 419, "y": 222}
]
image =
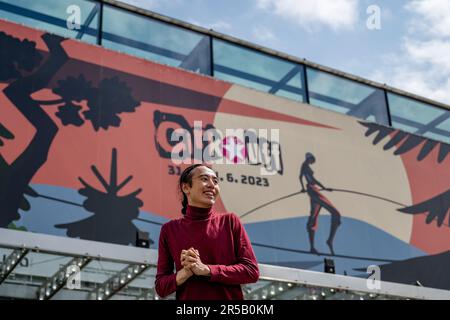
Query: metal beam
[
  {"x": 284, "y": 81},
  {"x": 77, "y": 247},
  {"x": 418, "y": 125},
  {"x": 88, "y": 20},
  {"x": 117, "y": 282},
  {"x": 251, "y": 77},
  {"x": 11, "y": 262},
  {"x": 327, "y": 280},
  {"x": 269, "y": 291},
  {"x": 59, "y": 279},
  {"x": 432, "y": 124}
]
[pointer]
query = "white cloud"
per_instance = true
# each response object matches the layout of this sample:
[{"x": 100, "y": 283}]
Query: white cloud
[
  {"x": 423, "y": 65},
  {"x": 220, "y": 26},
  {"x": 263, "y": 34},
  {"x": 144, "y": 4},
  {"x": 416, "y": 79},
  {"x": 335, "y": 14},
  {"x": 434, "y": 16},
  {"x": 435, "y": 53}
]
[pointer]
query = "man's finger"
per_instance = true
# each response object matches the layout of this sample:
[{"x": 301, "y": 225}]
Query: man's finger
[
  {"x": 191, "y": 259},
  {"x": 192, "y": 254}
]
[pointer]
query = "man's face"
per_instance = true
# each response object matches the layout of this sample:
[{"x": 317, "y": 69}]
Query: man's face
[{"x": 205, "y": 188}]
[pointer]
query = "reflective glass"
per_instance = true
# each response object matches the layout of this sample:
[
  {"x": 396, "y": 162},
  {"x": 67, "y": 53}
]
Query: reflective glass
[
  {"x": 257, "y": 70},
  {"x": 419, "y": 118},
  {"x": 69, "y": 18},
  {"x": 346, "y": 96},
  {"x": 154, "y": 40},
  {"x": 140, "y": 288},
  {"x": 281, "y": 290}
]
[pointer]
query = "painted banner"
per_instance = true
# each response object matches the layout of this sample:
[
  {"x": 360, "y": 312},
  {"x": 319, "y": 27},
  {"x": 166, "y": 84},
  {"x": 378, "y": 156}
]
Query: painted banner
[{"x": 86, "y": 152}]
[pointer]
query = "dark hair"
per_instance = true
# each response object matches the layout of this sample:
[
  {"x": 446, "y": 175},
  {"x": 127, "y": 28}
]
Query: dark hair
[
  {"x": 310, "y": 156},
  {"x": 186, "y": 177}
]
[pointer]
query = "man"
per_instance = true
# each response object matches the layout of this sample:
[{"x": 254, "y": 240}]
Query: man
[{"x": 211, "y": 251}]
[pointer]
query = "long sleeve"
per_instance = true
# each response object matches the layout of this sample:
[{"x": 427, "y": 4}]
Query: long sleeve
[
  {"x": 165, "y": 282},
  {"x": 245, "y": 270}
]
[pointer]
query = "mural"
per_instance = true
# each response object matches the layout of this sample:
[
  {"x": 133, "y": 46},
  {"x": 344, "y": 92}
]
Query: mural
[{"x": 85, "y": 152}]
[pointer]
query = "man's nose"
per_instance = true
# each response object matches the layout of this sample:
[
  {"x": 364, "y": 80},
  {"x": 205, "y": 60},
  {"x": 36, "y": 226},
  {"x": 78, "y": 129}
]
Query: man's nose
[{"x": 210, "y": 183}]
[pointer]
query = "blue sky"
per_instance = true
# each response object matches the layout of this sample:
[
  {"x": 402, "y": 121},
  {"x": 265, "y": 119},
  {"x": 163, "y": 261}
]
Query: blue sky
[{"x": 410, "y": 50}]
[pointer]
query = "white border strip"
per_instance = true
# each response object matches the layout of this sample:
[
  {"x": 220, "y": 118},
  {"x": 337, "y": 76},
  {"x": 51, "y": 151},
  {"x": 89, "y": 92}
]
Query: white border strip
[{"x": 77, "y": 247}]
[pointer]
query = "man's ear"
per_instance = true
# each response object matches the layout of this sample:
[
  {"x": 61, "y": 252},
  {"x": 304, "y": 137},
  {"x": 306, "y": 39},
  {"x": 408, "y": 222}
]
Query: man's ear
[{"x": 185, "y": 188}]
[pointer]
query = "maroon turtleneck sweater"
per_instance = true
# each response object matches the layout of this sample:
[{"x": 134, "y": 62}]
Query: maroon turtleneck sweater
[{"x": 223, "y": 245}]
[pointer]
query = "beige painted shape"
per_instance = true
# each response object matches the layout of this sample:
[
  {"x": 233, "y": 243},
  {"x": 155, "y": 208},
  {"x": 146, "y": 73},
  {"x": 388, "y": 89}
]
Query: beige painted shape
[
  {"x": 345, "y": 159},
  {"x": 283, "y": 105}
]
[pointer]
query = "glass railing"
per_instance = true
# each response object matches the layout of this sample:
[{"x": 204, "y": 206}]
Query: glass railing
[
  {"x": 208, "y": 53},
  {"x": 258, "y": 70},
  {"x": 346, "y": 96},
  {"x": 56, "y": 16},
  {"x": 419, "y": 118},
  {"x": 155, "y": 40}
]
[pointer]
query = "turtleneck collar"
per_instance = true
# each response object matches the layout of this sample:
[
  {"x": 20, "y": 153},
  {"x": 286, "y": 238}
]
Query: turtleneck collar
[{"x": 196, "y": 213}]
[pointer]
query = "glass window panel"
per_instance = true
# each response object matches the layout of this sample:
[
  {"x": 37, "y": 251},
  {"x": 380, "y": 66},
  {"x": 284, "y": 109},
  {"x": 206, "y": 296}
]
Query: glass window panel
[
  {"x": 257, "y": 70},
  {"x": 141, "y": 288},
  {"x": 4, "y": 252},
  {"x": 445, "y": 125},
  {"x": 405, "y": 127},
  {"x": 145, "y": 280},
  {"x": 419, "y": 118},
  {"x": 438, "y": 137},
  {"x": 32, "y": 272},
  {"x": 155, "y": 40},
  {"x": 41, "y": 264},
  {"x": 346, "y": 96},
  {"x": 98, "y": 271},
  {"x": 52, "y": 15}
]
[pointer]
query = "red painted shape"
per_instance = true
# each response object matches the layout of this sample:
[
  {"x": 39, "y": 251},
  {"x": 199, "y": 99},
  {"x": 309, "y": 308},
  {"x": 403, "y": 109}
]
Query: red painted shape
[
  {"x": 427, "y": 179},
  {"x": 242, "y": 109}
]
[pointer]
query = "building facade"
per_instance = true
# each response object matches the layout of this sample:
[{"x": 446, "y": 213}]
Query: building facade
[{"x": 99, "y": 118}]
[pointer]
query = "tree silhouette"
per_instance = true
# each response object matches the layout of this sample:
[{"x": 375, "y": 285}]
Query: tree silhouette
[
  {"x": 110, "y": 92},
  {"x": 19, "y": 56},
  {"x": 113, "y": 214},
  {"x": 20, "y": 65},
  {"x": 4, "y": 167}
]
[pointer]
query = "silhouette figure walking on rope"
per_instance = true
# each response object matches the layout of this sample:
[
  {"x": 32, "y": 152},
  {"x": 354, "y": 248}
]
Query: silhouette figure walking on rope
[{"x": 318, "y": 201}]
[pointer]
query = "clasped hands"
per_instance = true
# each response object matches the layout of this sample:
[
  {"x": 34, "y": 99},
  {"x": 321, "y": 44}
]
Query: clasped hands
[{"x": 191, "y": 262}]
